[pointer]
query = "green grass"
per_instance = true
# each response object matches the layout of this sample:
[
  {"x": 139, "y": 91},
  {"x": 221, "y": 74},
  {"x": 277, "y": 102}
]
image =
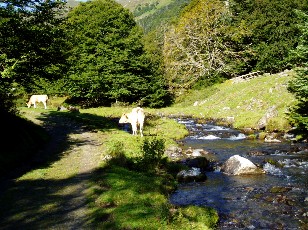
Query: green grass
[
  {"x": 120, "y": 197},
  {"x": 247, "y": 101},
  {"x": 131, "y": 200},
  {"x": 123, "y": 198}
]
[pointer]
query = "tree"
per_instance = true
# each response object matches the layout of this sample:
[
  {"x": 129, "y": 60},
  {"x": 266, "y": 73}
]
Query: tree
[
  {"x": 272, "y": 32},
  {"x": 31, "y": 34},
  {"x": 299, "y": 85},
  {"x": 108, "y": 62},
  {"x": 32, "y": 45},
  {"x": 196, "y": 47}
]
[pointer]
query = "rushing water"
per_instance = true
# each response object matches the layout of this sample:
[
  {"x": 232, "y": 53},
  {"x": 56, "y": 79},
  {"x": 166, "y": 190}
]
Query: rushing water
[{"x": 277, "y": 199}]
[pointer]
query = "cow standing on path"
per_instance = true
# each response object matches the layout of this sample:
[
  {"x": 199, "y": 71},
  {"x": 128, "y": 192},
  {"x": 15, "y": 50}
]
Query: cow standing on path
[
  {"x": 37, "y": 98},
  {"x": 135, "y": 118}
]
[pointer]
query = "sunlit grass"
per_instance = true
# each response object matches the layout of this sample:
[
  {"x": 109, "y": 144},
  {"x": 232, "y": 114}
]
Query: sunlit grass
[
  {"x": 247, "y": 102},
  {"x": 135, "y": 201},
  {"x": 121, "y": 198}
]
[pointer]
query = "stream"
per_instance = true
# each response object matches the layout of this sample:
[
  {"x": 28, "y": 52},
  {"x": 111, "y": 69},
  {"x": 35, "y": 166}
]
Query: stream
[{"x": 277, "y": 199}]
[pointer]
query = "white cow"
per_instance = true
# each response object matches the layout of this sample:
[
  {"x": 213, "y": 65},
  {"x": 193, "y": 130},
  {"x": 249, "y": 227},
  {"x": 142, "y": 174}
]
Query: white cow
[
  {"x": 135, "y": 118},
  {"x": 37, "y": 98}
]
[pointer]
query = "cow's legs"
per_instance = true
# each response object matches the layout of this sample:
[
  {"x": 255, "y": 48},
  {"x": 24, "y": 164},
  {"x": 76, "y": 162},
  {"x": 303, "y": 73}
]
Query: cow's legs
[
  {"x": 45, "y": 104},
  {"x": 134, "y": 128},
  {"x": 34, "y": 105},
  {"x": 141, "y": 130}
]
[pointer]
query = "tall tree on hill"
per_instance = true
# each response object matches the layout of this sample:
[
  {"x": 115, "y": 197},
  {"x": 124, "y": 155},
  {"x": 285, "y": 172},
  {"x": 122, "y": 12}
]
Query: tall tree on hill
[
  {"x": 32, "y": 45},
  {"x": 196, "y": 48},
  {"x": 299, "y": 85},
  {"x": 108, "y": 62},
  {"x": 272, "y": 32}
]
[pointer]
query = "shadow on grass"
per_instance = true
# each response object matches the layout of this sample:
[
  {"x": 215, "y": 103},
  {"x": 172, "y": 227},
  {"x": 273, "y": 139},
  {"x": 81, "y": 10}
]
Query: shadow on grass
[
  {"x": 55, "y": 203},
  {"x": 34, "y": 148},
  {"x": 126, "y": 199},
  {"x": 44, "y": 203}
]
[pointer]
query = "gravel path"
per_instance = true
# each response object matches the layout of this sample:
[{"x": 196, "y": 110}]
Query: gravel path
[{"x": 54, "y": 196}]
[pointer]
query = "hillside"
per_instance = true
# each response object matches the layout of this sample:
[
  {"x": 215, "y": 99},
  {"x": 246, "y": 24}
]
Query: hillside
[
  {"x": 130, "y": 4},
  {"x": 244, "y": 103},
  {"x": 149, "y": 14}
]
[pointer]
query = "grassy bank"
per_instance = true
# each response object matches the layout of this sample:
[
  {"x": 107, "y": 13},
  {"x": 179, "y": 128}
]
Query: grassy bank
[
  {"x": 124, "y": 192},
  {"x": 247, "y": 102}
]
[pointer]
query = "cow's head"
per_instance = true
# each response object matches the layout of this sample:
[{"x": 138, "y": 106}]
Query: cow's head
[{"x": 124, "y": 119}]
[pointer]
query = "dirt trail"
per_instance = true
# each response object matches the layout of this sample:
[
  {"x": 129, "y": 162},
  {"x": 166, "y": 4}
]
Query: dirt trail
[{"x": 53, "y": 196}]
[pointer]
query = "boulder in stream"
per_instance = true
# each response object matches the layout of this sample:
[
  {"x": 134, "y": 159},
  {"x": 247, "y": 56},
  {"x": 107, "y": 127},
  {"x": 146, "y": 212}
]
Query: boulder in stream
[
  {"x": 191, "y": 175},
  {"x": 197, "y": 162},
  {"x": 237, "y": 165}
]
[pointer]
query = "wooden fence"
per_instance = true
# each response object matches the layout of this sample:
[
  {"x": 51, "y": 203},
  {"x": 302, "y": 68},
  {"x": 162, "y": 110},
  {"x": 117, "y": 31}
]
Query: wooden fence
[{"x": 246, "y": 77}]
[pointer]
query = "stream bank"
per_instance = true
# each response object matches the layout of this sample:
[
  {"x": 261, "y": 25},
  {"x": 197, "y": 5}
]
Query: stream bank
[{"x": 276, "y": 200}]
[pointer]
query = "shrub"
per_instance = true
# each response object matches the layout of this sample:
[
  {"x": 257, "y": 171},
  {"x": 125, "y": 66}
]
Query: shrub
[
  {"x": 116, "y": 151},
  {"x": 152, "y": 154}
]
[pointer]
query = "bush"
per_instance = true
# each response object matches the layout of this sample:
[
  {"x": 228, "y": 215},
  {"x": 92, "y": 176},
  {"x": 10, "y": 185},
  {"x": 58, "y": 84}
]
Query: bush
[
  {"x": 152, "y": 151},
  {"x": 117, "y": 153}
]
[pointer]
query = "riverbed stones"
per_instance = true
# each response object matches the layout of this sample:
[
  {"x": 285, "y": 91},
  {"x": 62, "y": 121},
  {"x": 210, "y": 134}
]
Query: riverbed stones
[
  {"x": 270, "y": 139},
  {"x": 195, "y": 152},
  {"x": 174, "y": 153},
  {"x": 191, "y": 175},
  {"x": 237, "y": 165},
  {"x": 197, "y": 162}
]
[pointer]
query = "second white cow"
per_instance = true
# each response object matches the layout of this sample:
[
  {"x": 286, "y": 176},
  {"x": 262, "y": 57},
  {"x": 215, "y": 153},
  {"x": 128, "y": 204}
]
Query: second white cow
[
  {"x": 37, "y": 98},
  {"x": 135, "y": 118}
]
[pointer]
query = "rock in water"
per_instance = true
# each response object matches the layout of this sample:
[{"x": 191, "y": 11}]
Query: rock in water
[
  {"x": 237, "y": 165},
  {"x": 191, "y": 175}
]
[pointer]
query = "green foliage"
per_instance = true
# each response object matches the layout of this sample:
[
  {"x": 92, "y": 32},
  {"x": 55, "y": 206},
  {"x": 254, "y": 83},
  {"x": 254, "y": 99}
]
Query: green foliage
[
  {"x": 162, "y": 16},
  {"x": 31, "y": 34},
  {"x": 108, "y": 62},
  {"x": 152, "y": 153},
  {"x": 298, "y": 86},
  {"x": 32, "y": 46},
  {"x": 195, "y": 48},
  {"x": 268, "y": 31},
  {"x": 7, "y": 105},
  {"x": 141, "y": 9},
  {"x": 116, "y": 151},
  {"x": 150, "y": 158}
]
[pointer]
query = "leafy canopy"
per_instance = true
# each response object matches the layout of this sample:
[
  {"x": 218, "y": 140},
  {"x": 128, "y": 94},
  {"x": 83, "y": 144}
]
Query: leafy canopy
[
  {"x": 195, "y": 47},
  {"x": 32, "y": 48},
  {"x": 299, "y": 85},
  {"x": 271, "y": 31},
  {"x": 108, "y": 62},
  {"x": 32, "y": 39}
]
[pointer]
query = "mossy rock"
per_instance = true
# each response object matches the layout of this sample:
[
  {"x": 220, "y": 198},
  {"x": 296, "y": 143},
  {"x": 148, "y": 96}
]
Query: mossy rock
[{"x": 279, "y": 189}]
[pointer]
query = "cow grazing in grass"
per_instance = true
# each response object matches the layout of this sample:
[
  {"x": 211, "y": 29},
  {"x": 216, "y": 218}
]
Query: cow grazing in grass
[
  {"x": 135, "y": 118},
  {"x": 37, "y": 98}
]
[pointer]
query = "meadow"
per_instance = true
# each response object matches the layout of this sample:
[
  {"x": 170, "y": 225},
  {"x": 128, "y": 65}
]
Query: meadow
[{"x": 130, "y": 188}]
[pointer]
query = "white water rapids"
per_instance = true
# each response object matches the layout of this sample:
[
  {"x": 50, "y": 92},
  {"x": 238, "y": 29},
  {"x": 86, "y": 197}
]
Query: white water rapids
[{"x": 277, "y": 199}]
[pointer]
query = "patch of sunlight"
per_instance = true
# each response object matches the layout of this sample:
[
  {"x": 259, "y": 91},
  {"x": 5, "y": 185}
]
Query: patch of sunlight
[{"x": 34, "y": 175}]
